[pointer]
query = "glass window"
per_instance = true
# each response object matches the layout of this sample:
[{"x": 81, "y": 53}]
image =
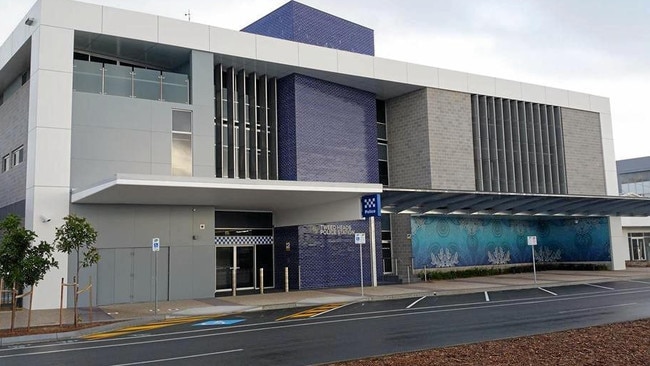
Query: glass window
[
  {"x": 5, "y": 163},
  {"x": 383, "y": 152},
  {"x": 181, "y": 121},
  {"x": 181, "y": 143},
  {"x": 383, "y": 172},
  {"x": 381, "y": 131},
  {"x": 18, "y": 155}
]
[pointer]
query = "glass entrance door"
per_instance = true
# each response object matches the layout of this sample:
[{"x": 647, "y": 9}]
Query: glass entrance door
[
  {"x": 246, "y": 267},
  {"x": 637, "y": 249},
  {"x": 225, "y": 264},
  {"x": 241, "y": 259}
]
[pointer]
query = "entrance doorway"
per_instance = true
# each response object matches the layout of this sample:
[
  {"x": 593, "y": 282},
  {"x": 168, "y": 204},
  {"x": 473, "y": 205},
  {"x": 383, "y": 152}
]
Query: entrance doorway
[
  {"x": 241, "y": 264},
  {"x": 637, "y": 249},
  {"x": 243, "y": 246}
]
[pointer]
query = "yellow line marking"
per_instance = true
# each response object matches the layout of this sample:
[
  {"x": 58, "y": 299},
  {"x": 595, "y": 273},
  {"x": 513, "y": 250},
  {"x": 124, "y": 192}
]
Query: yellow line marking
[
  {"x": 310, "y": 313},
  {"x": 149, "y": 326}
]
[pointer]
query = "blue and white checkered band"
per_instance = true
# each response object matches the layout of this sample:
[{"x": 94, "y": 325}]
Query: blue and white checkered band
[
  {"x": 369, "y": 203},
  {"x": 243, "y": 240}
]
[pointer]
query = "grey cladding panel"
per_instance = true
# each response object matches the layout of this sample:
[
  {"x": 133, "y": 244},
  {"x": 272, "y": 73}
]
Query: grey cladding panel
[{"x": 583, "y": 152}]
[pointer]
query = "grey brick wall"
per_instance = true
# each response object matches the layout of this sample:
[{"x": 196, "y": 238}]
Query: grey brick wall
[
  {"x": 14, "y": 113},
  {"x": 583, "y": 152},
  {"x": 450, "y": 136},
  {"x": 430, "y": 140},
  {"x": 408, "y": 148},
  {"x": 401, "y": 244}
]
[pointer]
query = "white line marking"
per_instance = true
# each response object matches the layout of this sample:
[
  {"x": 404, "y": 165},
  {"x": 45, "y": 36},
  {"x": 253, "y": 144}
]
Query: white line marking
[
  {"x": 596, "y": 308},
  {"x": 416, "y": 301},
  {"x": 487, "y": 297},
  {"x": 637, "y": 281},
  {"x": 545, "y": 290},
  {"x": 599, "y": 286},
  {"x": 327, "y": 311},
  {"x": 192, "y": 334},
  {"x": 178, "y": 358}
]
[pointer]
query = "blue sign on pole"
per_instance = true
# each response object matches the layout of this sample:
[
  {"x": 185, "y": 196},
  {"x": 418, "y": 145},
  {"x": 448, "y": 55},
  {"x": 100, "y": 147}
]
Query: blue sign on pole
[{"x": 371, "y": 205}]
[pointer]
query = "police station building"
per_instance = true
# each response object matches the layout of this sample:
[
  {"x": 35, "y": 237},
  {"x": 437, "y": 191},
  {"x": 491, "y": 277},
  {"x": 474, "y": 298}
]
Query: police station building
[{"x": 248, "y": 150}]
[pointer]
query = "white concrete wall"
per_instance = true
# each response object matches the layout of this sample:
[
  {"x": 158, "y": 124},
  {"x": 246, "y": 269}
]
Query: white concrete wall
[
  {"x": 48, "y": 141},
  {"x": 619, "y": 244}
]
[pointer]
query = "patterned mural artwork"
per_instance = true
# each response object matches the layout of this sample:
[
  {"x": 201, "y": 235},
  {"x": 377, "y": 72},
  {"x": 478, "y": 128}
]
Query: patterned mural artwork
[{"x": 470, "y": 241}]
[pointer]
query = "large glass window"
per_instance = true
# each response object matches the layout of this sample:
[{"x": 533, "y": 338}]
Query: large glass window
[{"x": 181, "y": 143}]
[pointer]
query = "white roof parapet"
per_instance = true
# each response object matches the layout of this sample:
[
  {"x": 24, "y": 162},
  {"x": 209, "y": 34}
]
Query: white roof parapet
[{"x": 378, "y": 73}]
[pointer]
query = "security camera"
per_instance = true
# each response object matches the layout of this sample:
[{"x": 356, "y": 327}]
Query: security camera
[{"x": 45, "y": 219}]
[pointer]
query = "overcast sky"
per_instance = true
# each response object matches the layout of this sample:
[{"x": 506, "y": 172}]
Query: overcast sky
[{"x": 593, "y": 46}]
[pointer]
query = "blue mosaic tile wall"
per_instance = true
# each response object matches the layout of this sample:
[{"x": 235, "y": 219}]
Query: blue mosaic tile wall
[
  {"x": 287, "y": 128},
  {"x": 284, "y": 258},
  {"x": 326, "y": 132},
  {"x": 300, "y": 23},
  {"x": 469, "y": 241},
  {"x": 326, "y": 253}
]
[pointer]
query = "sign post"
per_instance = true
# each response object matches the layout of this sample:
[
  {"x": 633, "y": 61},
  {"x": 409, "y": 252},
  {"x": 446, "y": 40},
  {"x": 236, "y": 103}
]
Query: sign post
[
  {"x": 532, "y": 242},
  {"x": 155, "y": 247},
  {"x": 360, "y": 239},
  {"x": 371, "y": 207}
]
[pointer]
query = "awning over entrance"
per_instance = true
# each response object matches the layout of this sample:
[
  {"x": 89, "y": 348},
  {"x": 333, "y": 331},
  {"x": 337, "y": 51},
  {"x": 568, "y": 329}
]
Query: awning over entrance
[
  {"x": 292, "y": 203},
  {"x": 415, "y": 201}
]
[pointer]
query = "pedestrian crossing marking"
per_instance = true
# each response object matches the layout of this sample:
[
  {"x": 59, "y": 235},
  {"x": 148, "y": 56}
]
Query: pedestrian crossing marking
[
  {"x": 310, "y": 313},
  {"x": 149, "y": 326}
]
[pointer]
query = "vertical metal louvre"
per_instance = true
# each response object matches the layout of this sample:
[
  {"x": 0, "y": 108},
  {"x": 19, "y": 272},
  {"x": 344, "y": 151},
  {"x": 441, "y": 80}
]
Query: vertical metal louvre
[
  {"x": 476, "y": 135},
  {"x": 245, "y": 124},
  {"x": 518, "y": 146},
  {"x": 218, "y": 122}
]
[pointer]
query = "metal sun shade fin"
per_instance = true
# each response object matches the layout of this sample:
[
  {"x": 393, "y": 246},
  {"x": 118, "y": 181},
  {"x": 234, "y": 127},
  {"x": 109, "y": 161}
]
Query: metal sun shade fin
[
  {"x": 253, "y": 126},
  {"x": 242, "y": 117},
  {"x": 273, "y": 128},
  {"x": 476, "y": 135},
  {"x": 264, "y": 127},
  {"x": 218, "y": 121},
  {"x": 230, "y": 121}
]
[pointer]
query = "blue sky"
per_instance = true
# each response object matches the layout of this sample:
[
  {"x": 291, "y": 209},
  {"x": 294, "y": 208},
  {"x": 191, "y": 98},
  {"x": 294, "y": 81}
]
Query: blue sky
[{"x": 593, "y": 46}]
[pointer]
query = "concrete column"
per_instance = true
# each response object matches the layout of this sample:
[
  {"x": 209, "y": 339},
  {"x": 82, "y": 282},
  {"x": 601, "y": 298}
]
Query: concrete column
[
  {"x": 48, "y": 147},
  {"x": 618, "y": 243}
]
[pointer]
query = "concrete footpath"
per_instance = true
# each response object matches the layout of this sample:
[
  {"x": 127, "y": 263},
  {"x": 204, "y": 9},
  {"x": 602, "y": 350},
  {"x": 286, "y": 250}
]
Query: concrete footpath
[{"x": 121, "y": 315}]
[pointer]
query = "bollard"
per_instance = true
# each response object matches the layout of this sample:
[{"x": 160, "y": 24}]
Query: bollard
[
  {"x": 408, "y": 274},
  {"x": 286, "y": 279},
  {"x": 425, "y": 273},
  {"x": 261, "y": 280},
  {"x": 234, "y": 281}
]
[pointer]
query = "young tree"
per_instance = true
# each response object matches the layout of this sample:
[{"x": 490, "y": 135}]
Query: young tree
[
  {"x": 77, "y": 235},
  {"x": 22, "y": 263}
]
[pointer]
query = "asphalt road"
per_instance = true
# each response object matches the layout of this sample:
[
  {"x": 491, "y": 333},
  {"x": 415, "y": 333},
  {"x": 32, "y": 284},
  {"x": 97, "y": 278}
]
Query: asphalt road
[{"x": 348, "y": 331}]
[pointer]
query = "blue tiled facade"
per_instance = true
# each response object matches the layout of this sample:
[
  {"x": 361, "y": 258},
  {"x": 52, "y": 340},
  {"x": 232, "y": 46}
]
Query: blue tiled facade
[
  {"x": 327, "y": 132},
  {"x": 300, "y": 23},
  {"x": 327, "y": 255}
]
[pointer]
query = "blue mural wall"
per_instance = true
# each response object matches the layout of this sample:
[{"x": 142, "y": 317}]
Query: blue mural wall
[{"x": 468, "y": 241}]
